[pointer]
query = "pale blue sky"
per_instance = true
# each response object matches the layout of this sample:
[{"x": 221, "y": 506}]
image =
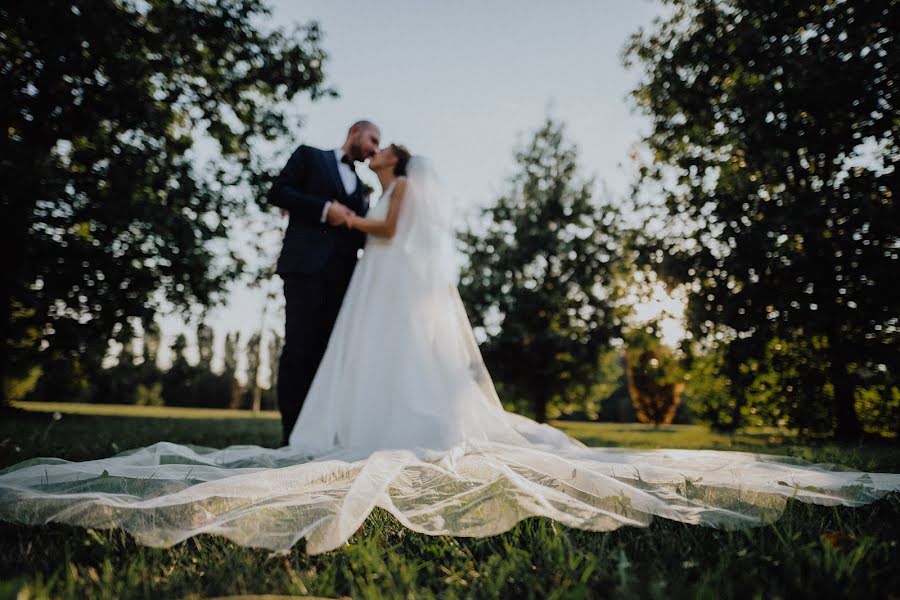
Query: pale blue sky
[
  {"x": 461, "y": 81},
  {"x": 464, "y": 82}
]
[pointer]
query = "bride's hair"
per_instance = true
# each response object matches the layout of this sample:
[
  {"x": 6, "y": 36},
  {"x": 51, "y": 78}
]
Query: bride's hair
[{"x": 403, "y": 157}]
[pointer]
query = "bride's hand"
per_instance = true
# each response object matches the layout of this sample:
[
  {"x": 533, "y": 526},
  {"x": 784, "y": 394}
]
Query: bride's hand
[{"x": 351, "y": 221}]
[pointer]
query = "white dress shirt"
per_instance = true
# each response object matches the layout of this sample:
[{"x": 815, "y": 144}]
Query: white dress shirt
[{"x": 348, "y": 178}]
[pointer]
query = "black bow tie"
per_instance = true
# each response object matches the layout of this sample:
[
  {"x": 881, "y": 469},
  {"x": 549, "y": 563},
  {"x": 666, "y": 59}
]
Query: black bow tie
[{"x": 347, "y": 161}]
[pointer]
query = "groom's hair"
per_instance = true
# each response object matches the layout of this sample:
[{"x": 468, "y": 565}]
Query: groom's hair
[{"x": 363, "y": 124}]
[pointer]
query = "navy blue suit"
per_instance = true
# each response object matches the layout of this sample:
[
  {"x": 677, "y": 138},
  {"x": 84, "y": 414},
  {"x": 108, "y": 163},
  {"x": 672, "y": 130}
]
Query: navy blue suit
[{"x": 316, "y": 263}]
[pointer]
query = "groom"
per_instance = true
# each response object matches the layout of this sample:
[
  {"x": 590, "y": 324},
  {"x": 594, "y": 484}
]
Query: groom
[{"x": 320, "y": 190}]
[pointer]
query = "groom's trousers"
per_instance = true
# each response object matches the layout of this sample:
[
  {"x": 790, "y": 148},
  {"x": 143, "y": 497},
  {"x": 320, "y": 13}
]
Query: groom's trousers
[{"x": 312, "y": 303}]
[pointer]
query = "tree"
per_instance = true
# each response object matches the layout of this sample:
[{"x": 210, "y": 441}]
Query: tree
[
  {"x": 708, "y": 393},
  {"x": 655, "y": 379},
  {"x": 229, "y": 373},
  {"x": 205, "y": 345},
  {"x": 540, "y": 280},
  {"x": 151, "y": 343},
  {"x": 118, "y": 384},
  {"x": 101, "y": 205},
  {"x": 774, "y": 154},
  {"x": 149, "y": 388},
  {"x": 254, "y": 360},
  {"x": 177, "y": 382},
  {"x": 614, "y": 401},
  {"x": 603, "y": 399},
  {"x": 276, "y": 344}
]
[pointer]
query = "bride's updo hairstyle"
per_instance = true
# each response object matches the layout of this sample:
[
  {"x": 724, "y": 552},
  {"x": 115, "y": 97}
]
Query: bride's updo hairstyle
[{"x": 403, "y": 157}]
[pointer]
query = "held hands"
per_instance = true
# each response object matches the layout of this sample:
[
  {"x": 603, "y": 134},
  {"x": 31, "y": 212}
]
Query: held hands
[{"x": 339, "y": 215}]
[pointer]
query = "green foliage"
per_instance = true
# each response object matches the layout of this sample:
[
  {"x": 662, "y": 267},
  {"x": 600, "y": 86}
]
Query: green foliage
[
  {"x": 176, "y": 381},
  {"x": 62, "y": 380},
  {"x": 541, "y": 278},
  {"x": 205, "y": 343},
  {"x": 19, "y": 388},
  {"x": 708, "y": 393},
  {"x": 186, "y": 384},
  {"x": 655, "y": 376},
  {"x": 774, "y": 163},
  {"x": 232, "y": 341},
  {"x": 789, "y": 384},
  {"x": 601, "y": 400},
  {"x": 811, "y": 551},
  {"x": 879, "y": 408},
  {"x": 254, "y": 361},
  {"x": 785, "y": 389},
  {"x": 134, "y": 379},
  {"x": 276, "y": 345},
  {"x": 149, "y": 395},
  {"x": 102, "y": 205},
  {"x": 667, "y": 367}
]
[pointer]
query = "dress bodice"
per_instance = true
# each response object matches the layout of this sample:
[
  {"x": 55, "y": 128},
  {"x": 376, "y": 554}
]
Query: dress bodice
[{"x": 379, "y": 212}]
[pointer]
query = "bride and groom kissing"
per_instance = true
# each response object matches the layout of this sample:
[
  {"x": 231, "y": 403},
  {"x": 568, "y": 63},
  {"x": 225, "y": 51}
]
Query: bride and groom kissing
[
  {"x": 327, "y": 203},
  {"x": 379, "y": 353}
]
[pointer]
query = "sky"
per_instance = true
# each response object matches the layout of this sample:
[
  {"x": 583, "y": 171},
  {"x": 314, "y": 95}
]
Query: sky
[{"x": 465, "y": 83}]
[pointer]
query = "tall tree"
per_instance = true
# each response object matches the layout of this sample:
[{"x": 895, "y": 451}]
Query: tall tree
[
  {"x": 151, "y": 342},
  {"x": 276, "y": 344},
  {"x": 177, "y": 382},
  {"x": 541, "y": 278},
  {"x": 774, "y": 153},
  {"x": 101, "y": 206},
  {"x": 270, "y": 394},
  {"x": 655, "y": 378},
  {"x": 254, "y": 360},
  {"x": 205, "y": 345},
  {"x": 119, "y": 382},
  {"x": 230, "y": 362},
  {"x": 149, "y": 390}
]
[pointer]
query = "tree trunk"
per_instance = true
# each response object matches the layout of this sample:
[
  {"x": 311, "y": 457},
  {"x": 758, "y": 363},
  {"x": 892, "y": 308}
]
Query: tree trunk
[
  {"x": 848, "y": 425},
  {"x": 5, "y": 315},
  {"x": 234, "y": 391},
  {"x": 736, "y": 417},
  {"x": 17, "y": 201},
  {"x": 13, "y": 241},
  {"x": 257, "y": 399},
  {"x": 539, "y": 402}
]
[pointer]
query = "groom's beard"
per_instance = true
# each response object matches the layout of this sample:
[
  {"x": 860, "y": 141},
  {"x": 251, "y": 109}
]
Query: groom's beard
[{"x": 355, "y": 153}]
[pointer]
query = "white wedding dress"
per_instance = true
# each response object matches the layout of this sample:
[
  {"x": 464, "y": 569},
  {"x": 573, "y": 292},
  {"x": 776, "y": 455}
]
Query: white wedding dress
[{"x": 402, "y": 415}]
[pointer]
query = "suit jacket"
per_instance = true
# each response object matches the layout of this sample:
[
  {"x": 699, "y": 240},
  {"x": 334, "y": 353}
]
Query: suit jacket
[{"x": 307, "y": 182}]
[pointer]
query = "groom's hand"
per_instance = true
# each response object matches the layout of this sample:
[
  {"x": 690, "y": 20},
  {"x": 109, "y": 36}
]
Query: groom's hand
[{"x": 338, "y": 214}]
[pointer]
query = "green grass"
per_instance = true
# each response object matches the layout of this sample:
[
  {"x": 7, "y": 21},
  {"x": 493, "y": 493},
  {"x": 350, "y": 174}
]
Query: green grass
[
  {"x": 811, "y": 551},
  {"x": 125, "y": 410}
]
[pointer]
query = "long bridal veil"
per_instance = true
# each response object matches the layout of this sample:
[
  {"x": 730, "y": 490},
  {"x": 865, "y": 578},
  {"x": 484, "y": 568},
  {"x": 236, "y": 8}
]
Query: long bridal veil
[
  {"x": 413, "y": 426},
  {"x": 425, "y": 226}
]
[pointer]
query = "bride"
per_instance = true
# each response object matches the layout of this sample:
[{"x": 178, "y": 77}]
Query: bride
[
  {"x": 402, "y": 369},
  {"x": 402, "y": 415}
]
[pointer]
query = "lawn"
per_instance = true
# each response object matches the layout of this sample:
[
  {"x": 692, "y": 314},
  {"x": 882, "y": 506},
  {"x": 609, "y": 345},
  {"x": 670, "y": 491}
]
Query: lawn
[{"x": 811, "y": 551}]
